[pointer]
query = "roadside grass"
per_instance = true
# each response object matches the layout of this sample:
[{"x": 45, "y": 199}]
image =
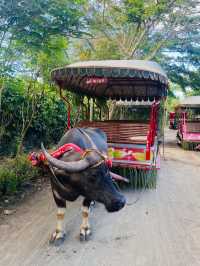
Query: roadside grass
[{"x": 14, "y": 172}]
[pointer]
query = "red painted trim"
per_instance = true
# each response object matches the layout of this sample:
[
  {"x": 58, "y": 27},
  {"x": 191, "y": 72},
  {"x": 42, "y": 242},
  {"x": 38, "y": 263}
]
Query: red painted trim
[{"x": 152, "y": 128}]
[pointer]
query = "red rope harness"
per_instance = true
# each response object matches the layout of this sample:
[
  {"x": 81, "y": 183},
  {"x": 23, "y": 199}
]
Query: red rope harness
[{"x": 37, "y": 158}]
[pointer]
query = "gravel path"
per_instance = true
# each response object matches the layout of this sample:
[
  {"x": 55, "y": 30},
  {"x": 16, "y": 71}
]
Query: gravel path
[{"x": 161, "y": 228}]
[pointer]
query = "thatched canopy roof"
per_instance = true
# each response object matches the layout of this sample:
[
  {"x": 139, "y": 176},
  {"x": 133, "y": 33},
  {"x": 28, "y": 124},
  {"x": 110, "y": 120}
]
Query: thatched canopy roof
[
  {"x": 115, "y": 79},
  {"x": 190, "y": 101}
]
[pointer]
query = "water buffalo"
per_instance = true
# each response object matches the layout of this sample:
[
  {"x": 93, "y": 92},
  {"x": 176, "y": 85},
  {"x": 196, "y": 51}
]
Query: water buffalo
[{"x": 86, "y": 175}]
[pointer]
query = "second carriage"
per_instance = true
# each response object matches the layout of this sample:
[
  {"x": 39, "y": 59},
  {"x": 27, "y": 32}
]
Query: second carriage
[{"x": 188, "y": 113}]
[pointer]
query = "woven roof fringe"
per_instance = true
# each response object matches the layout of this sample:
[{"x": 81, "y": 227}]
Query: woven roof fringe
[{"x": 114, "y": 79}]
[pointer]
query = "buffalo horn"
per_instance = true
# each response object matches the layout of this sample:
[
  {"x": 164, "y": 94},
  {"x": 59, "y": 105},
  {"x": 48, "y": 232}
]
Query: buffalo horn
[{"x": 72, "y": 167}]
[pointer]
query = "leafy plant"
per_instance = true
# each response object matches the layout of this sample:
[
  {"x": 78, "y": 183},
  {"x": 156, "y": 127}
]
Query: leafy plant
[
  {"x": 13, "y": 172},
  {"x": 24, "y": 123}
]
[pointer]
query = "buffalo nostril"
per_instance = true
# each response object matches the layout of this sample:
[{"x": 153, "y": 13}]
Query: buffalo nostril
[
  {"x": 116, "y": 205},
  {"x": 120, "y": 203},
  {"x": 123, "y": 202}
]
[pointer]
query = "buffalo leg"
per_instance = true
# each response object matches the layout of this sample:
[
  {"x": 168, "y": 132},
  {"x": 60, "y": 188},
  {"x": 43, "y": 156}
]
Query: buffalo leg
[
  {"x": 58, "y": 236},
  {"x": 85, "y": 230}
]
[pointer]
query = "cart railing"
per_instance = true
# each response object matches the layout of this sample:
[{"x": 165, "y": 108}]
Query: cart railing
[{"x": 126, "y": 132}]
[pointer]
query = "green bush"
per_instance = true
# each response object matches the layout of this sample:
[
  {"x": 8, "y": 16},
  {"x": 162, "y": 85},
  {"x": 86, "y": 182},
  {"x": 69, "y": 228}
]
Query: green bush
[
  {"x": 49, "y": 121},
  {"x": 13, "y": 172}
]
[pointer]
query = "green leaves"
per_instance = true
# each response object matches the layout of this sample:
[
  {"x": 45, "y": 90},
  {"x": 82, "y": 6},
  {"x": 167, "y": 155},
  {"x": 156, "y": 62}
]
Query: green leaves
[
  {"x": 164, "y": 31},
  {"x": 135, "y": 11},
  {"x": 13, "y": 172},
  {"x": 49, "y": 119},
  {"x": 34, "y": 22},
  {"x": 31, "y": 28}
]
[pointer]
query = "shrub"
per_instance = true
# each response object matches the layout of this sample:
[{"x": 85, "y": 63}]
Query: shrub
[
  {"x": 13, "y": 172},
  {"x": 47, "y": 125}
]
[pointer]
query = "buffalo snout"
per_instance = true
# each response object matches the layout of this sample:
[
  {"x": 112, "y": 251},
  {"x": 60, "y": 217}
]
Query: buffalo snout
[{"x": 116, "y": 204}]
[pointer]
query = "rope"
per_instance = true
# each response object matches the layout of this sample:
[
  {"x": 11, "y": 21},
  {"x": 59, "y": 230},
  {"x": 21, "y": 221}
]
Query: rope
[{"x": 56, "y": 180}]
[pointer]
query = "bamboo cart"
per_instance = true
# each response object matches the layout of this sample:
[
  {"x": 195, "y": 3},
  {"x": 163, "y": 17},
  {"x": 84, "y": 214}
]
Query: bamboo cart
[
  {"x": 188, "y": 112},
  {"x": 134, "y": 84}
]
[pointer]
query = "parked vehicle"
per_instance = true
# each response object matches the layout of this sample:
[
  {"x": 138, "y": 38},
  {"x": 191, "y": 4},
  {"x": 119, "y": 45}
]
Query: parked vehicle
[
  {"x": 133, "y": 144},
  {"x": 188, "y": 111}
]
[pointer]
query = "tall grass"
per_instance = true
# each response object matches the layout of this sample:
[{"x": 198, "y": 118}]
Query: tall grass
[{"x": 138, "y": 178}]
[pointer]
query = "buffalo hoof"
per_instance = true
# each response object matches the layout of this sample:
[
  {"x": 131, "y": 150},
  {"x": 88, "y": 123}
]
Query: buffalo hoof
[
  {"x": 85, "y": 234},
  {"x": 57, "y": 238},
  {"x": 92, "y": 204}
]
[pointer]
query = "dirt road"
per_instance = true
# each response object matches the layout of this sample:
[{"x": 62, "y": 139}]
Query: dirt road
[{"x": 158, "y": 227}]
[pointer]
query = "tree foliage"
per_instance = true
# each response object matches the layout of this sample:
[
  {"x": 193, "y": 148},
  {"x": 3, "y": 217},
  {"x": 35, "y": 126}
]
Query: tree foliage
[
  {"x": 31, "y": 27},
  {"x": 164, "y": 31},
  {"x": 37, "y": 36},
  {"x": 34, "y": 39},
  {"x": 27, "y": 121}
]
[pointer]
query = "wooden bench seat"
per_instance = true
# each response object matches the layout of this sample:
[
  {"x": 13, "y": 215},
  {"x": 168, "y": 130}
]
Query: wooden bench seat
[{"x": 126, "y": 132}]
